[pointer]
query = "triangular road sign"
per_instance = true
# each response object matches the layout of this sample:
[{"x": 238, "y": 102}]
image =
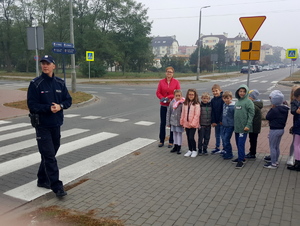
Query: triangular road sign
[{"x": 252, "y": 24}]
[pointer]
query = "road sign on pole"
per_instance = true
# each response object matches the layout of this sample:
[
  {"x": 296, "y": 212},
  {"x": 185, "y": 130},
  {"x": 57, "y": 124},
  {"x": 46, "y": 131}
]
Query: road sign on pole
[
  {"x": 250, "y": 50},
  {"x": 252, "y": 24},
  {"x": 89, "y": 55},
  {"x": 291, "y": 53}
]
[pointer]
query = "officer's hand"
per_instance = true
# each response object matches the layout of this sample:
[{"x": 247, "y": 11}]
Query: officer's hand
[{"x": 55, "y": 107}]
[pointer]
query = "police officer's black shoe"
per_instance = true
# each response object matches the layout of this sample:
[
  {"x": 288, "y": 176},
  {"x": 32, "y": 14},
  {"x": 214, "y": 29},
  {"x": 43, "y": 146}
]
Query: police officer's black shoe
[
  {"x": 44, "y": 185},
  {"x": 61, "y": 193}
]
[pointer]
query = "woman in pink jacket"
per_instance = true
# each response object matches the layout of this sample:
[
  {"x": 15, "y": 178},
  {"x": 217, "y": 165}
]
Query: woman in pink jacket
[
  {"x": 165, "y": 93},
  {"x": 190, "y": 120}
]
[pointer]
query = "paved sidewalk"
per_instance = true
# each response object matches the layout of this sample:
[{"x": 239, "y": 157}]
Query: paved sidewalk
[{"x": 156, "y": 187}]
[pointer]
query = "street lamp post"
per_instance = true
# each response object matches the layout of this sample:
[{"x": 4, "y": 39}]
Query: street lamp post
[{"x": 198, "y": 63}]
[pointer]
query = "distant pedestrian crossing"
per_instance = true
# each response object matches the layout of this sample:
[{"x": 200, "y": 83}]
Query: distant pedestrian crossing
[{"x": 25, "y": 135}]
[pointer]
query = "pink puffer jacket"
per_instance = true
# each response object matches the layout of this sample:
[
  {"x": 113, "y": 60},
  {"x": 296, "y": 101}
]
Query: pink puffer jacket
[{"x": 190, "y": 119}]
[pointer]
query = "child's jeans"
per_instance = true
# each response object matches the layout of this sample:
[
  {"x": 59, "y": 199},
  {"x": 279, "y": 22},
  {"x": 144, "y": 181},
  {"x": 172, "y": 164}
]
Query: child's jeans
[
  {"x": 240, "y": 139},
  {"x": 203, "y": 137},
  {"x": 218, "y": 135},
  {"x": 274, "y": 142},
  {"x": 227, "y": 134}
]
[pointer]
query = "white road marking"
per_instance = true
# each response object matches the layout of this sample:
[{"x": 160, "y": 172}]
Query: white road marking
[
  {"x": 30, "y": 191},
  {"x": 119, "y": 120},
  {"x": 91, "y": 117},
  {"x": 28, "y": 160},
  {"x": 71, "y": 115},
  {"x": 4, "y": 122},
  {"x": 264, "y": 81},
  {"x": 16, "y": 134},
  {"x": 113, "y": 93},
  {"x": 144, "y": 123},
  {"x": 14, "y": 126},
  {"x": 32, "y": 142},
  {"x": 140, "y": 94}
]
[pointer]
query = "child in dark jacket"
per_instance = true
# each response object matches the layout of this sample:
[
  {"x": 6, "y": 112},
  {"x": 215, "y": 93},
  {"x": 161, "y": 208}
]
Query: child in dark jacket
[
  {"x": 277, "y": 117},
  {"x": 216, "y": 116},
  {"x": 256, "y": 125},
  {"x": 295, "y": 110},
  {"x": 205, "y": 124}
]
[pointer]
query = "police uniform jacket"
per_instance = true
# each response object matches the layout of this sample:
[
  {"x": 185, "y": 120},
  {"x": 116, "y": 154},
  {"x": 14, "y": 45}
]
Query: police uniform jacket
[{"x": 42, "y": 92}]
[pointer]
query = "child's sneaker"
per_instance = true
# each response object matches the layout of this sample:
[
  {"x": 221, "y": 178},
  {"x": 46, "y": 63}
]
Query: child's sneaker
[
  {"x": 215, "y": 151},
  {"x": 194, "y": 154},
  {"x": 227, "y": 156},
  {"x": 188, "y": 154},
  {"x": 290, "y": 161},
  {"x": 270, "y": 166},
  {"x": 239, "y": 165},
  {"x": 267, "y": 158},
  {"x": 250, "y": 157},
  {"x": 237, "y": 160},
  {"x": 223, "y": 152}
]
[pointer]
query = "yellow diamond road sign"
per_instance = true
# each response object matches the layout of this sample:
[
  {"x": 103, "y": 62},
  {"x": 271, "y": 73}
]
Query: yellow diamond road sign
[{"x": 252, "y": 24}]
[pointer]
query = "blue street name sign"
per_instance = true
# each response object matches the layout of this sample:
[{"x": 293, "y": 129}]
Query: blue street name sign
[
  {"x": 63, "y": 50},
  {"x": 57, "y": 44},
  {"x": 68, "y": 45}
]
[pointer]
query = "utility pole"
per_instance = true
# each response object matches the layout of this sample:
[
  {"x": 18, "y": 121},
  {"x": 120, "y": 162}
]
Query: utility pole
[{"x": 73, "y": 71}]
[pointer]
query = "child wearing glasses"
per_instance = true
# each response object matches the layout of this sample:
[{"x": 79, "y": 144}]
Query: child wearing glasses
[{"x": 190, "y": 120}]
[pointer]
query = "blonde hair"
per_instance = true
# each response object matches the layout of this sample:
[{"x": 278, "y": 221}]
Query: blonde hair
[
  {"x": 216, "y": 86},
  {"x": 294, "y": 87},
  {"x": 205, "y": 94},
  {"x": 177, "y": 91},
  {"x": 227, "y": 94}
]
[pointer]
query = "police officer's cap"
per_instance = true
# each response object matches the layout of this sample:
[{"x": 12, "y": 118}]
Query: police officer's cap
[{"x": 48, "y": 58}]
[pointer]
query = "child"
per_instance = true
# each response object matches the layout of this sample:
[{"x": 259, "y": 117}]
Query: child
[
  {"x": 256, "y": 125},
  {"x": 277, "y": 117},
  {"x": 190, "y": 120},
  {"x": 205, "y": 124},
  {"x": 295, "y": 110},
  {"x": 227, "y": 123},
  {"x": 294, "y": 107},
  {"x": 243, "y": 116},
  {"x": 173, "y": 119},
  {"x": 216, "y": 115}
]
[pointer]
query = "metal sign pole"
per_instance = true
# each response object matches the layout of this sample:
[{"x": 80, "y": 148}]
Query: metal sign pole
[
  {"x": 89, "y": 71},
  {"x": 249, "y": 63},
  {"x": 36, "y": 53}
]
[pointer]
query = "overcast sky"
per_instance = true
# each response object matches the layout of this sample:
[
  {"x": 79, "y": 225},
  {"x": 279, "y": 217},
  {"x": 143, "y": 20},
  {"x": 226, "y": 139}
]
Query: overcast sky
[{"x": 181, "y": 18}]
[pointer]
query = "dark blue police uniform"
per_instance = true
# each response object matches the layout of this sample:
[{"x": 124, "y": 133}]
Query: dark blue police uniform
[{"x": 42, "y": 92}]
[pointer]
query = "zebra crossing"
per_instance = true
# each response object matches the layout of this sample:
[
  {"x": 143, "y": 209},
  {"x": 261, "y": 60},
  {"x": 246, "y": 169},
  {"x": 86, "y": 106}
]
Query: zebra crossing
[{"x": 18, "y": 174}]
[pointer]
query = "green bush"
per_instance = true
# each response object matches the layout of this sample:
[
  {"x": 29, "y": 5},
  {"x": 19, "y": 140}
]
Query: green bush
[{"x": 97, "y": 69}]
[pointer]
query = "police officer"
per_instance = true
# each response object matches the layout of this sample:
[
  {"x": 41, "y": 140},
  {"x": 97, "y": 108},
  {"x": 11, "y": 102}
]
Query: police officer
[{"x": 47, "y": 96}]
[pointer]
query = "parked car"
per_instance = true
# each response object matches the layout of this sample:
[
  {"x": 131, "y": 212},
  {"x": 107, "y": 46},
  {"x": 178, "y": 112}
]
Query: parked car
[
  {"x": 245, "y": 69},
  {"x": 266, "y": 68},
  {"x": 258, "y": 68}
]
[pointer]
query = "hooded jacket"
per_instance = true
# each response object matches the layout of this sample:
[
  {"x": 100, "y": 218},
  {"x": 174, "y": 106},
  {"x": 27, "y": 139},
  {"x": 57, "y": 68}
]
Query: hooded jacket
[
  {"x": 243, "y": 112},
  {"x": 256, "y": 126},
  {"x": 190, "y": 116},
  {"x": 296, "y": 120},
  {"x": 277, "y": 115}
]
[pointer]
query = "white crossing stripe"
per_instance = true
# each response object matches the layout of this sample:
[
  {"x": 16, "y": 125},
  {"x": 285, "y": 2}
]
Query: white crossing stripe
[
  {"x": 264, "y": 81},
  {"x": 92, "y": 117},
  {"x": 140, "y": 94},
  {"x": 113, "y": 93},
  {"x": 28, "y": 160},
  {"x": 71, "y": 115},
  {"x": 17, "y": 134},
  {"x": 32, "y": 142},
  {"x": 14, "y": 126},
  {"x": 30, "y": 191},
  {"x": 274, "y": 82},
  {"x": 4, "y": 122},
  {"x": 254, "y": 80},
  {"x": 118, "y": 120},
  {"x": 144, "y": 123}
]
